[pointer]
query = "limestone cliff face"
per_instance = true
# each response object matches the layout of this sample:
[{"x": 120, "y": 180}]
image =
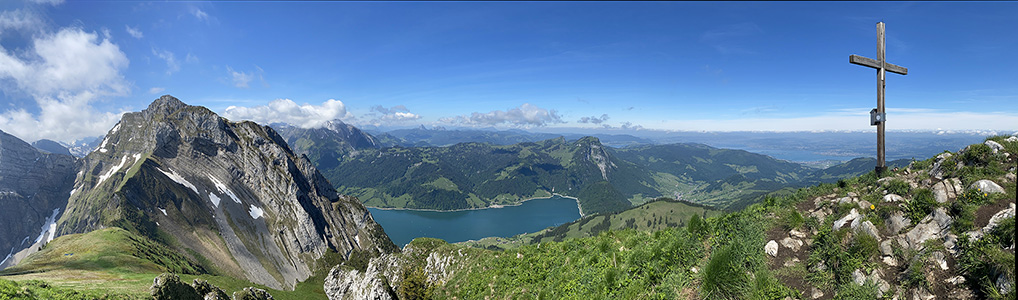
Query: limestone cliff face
[
  {"x": 232, "y": 193},
  {"x": 32, "y": 185}
]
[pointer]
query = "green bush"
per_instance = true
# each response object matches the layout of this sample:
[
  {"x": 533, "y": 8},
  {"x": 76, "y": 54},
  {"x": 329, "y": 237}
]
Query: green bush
[
  {"x": 977, "y": 155},
  {"x": 696, "y": 226},
  {"x": 1004, "y": 232},
  {"x": 896, "y": 186},
  {"x": 922, "y": 204},
  {"x": 415, "y": 284},
  {"x": 724, "y": 277},
  {"x": 964, "y": 216},
  {"x": 915, "y": 276},
  {"x": 864, "y": 247}
]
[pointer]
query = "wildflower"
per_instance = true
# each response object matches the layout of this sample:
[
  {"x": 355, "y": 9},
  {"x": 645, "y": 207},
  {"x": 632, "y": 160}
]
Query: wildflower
[{"x": 872, "y": 207}]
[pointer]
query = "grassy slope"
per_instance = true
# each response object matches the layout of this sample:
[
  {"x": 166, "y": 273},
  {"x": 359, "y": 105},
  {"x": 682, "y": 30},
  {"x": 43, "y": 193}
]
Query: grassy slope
[
  {"x": 722, "y": 257},
  {"x": 113, "y": 260}
]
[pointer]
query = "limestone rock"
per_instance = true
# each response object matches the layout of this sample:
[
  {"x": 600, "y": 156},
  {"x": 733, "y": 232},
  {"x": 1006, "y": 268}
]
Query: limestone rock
[
  {"x": 771, "y": 248},
  {"x": 352, "y": 284},
  {"x": 250, "y": 293},
  {"x": 168, "y": 286},
  {"x": 995, "y": 146},
  {"x": 938, "y": 170},
  {"x": 893, "y": 198},
  {"x": 932, "y": 226},
  {"x": 956, "y": 280},
  {"x": 792, "y": 244},
  {"x": 987, "y": 186},
  {"x": 816, "y": 293},
  {"x": 896, "y": 222},
  {"x": 851, "y": 216},
  {"x": 796, "y": 234},
  {"x": 939, "y": 259},
  {"x": 994, "y": 221},
  {"x": 947, "y": 190},
  {"x": 868, "y": 228}
]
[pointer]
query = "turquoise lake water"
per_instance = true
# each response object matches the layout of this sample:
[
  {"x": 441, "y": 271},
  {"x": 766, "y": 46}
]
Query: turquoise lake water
[{"x": 403, "y": 226}]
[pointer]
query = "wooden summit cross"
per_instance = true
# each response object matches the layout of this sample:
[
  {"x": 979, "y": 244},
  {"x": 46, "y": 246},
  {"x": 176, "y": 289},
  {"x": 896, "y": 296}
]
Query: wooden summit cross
[{"x": 877, "y": 115}]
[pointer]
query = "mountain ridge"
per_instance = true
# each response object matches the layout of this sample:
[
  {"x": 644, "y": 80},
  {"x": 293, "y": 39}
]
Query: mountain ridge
[{"x": 231, "y": 193}]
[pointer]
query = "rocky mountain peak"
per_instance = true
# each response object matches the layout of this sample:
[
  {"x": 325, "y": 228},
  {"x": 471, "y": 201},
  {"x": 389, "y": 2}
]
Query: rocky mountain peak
[
  {"x": 183, "y": 172},
  {"x": 165, "y": 105}
]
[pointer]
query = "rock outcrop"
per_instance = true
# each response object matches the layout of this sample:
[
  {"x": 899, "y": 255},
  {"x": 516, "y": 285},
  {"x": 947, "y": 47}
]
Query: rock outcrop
[
  {"x": 232, "y": 193},
  {"x": 383, "y": 276},
  {"x": 34, "y": 187}
]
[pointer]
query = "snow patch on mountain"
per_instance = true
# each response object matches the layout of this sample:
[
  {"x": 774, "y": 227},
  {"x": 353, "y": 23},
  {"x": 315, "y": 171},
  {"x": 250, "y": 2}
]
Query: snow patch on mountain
[
  {"x": 50, "y": 228},
  {"x": 223, "y": 189},
  {"x": 255, "y": 212},
  {"x": 178, "y": 179}
]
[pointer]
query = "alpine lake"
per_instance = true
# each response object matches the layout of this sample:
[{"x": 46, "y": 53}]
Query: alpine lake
[{"x": 404, "y": 225}]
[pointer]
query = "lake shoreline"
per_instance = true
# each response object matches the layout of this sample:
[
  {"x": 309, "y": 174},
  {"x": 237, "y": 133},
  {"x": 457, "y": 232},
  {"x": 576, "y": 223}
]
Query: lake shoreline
[{"x": 553, "y": 195}]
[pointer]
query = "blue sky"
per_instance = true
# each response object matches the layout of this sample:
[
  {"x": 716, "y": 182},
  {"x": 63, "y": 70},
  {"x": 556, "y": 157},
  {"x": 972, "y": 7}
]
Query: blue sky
[{"x": 68, "y": 69}]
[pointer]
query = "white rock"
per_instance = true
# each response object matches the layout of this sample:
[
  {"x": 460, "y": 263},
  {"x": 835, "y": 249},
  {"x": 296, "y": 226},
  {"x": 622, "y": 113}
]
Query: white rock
[
  {"x": 893, "y": 198},
  {"x": 885, "y": 248},
  {"x": 987, "y": 186},
  {"x": 867, "y": 228},
  {"x": 796, "y": 233},
  {"x": 858, "y": 277},
  {"x": 1004, "y": 284},
  {"x": 896, "y": 222},
  {"x": 956, "y": 280},
  {"x": 791, "y": 244},
  {"x": 947, "y": 190},
  {"x": 771, "y": 248},
  {"x": 890, "y": 260},
  {"x": 852, "y": 215},
  {"x": 816, "y": 293},
  {"x": 863, "y": 204},
  {"x": 938, "y": 258},
  {"x": 995, "y": 146}
]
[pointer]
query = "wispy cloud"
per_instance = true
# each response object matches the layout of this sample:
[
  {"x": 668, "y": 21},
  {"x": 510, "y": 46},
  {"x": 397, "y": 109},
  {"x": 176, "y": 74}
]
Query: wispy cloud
[
  {"x": 172, "y": 65},
  {"x": 156, "y": 90},
  {"x": 289, "y": 112},
  {"x": 593, "y": 119},
  {"x": 398, "y": 114},
  {"x": 526, "y": 115},
  {"x": 240, "y": 79},
  {"x": 19, "y": 20},
  {"x": 200, "y": 14},
  {"x": 134, "y": 32}
]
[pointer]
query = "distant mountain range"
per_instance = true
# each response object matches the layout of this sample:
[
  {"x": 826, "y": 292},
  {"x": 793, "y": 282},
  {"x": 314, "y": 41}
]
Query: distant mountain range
[{"x": 481, "y": 174}]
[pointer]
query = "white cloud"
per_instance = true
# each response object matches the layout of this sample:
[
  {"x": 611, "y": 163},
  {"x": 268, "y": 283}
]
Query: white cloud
[
  {"x": 200, "y": 14},
  {"x": 240, "y": 79},
  {"x": 135, "y": 32},
  {"x": 19, "y": 20},
  {"x": 526, "y": 115},
  {"x": 395, "y": 114},
  {"x": 287, "y": 111},
  {"x": 172, "y": 65},
  {"x": 156, "y": 90},
  {"x": 190, "y": 58},
  {"x": 51, "y": 2},
  {"x": 856, "y": 120},
  {"x": 594, "y": 120},
  {"x": 64, "y": 72}
]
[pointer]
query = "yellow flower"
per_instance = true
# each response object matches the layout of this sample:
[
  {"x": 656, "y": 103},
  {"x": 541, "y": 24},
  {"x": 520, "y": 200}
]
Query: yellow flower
[{"x": 872, "y": 207}]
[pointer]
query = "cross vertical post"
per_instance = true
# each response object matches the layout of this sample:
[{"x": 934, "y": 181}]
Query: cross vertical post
[{"x": 878, "y": 116}]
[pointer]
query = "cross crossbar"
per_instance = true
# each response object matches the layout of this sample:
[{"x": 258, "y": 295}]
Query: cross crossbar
[{"x": 872, "y": 63}]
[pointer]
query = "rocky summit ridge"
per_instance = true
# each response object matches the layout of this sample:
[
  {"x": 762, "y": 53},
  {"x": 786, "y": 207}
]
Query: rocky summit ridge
[{"x": 229, "y": 193}]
